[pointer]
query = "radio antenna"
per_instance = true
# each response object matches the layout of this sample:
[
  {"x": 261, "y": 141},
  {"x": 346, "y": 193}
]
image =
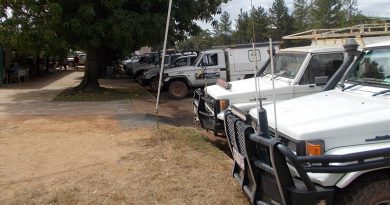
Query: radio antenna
[
  {"x": 254, "y": 54},
  {"x": 273, "y": 87}
]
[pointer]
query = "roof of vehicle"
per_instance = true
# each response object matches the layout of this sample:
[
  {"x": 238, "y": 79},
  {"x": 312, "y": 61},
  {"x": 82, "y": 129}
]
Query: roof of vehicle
[
  {"x": 213, "y": 50},
  {"x": 313, "y": 49},
  {"x": 380, "y": 44}
]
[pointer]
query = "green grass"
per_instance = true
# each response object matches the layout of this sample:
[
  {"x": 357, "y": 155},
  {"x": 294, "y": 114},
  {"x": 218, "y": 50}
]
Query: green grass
[{"x": 103, "y": 94}]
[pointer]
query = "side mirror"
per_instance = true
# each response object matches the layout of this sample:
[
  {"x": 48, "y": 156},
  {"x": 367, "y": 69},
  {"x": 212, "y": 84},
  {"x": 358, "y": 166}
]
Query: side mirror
[{"x": 321, "y": 80}]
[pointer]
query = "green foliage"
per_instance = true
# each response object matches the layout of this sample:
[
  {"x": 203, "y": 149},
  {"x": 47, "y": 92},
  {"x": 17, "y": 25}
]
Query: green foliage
[
  {"x": 223, "y": 30},
  {"x": 260, "y": 20},
  {"x": 300, "y": 15},
  {"x": 243, "y": 33},
  {"x": 83, "y": 24},
  {"x": 281, "y": 21},
  {"x": 327, "y": 13}
]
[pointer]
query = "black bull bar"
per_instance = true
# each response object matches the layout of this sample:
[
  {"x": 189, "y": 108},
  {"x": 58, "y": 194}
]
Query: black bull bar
[{"x": 261, "y": 166}]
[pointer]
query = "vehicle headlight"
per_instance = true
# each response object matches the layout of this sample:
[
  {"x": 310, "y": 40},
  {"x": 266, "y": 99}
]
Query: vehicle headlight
[{"x": 223, "y": 104}]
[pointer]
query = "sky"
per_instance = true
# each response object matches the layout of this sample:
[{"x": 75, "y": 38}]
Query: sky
[{"x": 368, "y": 7}]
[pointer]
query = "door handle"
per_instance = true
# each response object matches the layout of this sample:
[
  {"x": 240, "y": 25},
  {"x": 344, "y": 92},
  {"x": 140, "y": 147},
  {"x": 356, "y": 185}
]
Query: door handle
[{"x": 312, "y": 86}]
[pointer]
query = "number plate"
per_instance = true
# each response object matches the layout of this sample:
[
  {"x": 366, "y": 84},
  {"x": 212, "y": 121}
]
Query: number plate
[{"x": 238, "y": 158}]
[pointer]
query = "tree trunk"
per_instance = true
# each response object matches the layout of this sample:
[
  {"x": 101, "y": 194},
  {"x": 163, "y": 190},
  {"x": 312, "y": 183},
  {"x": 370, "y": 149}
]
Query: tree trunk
[{"x": 92, "y": 72}]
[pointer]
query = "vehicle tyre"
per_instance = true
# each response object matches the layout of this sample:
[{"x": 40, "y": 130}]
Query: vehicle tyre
[
  {"x": 371, "y": 190},
  {"x": 178, "y": 90},
  {"x": 154, "y": 84},
  {"x": 139, "y": 78}
]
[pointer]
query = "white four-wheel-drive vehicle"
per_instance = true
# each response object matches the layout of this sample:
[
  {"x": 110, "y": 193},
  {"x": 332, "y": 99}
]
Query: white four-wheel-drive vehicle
[
  {"x": 233, "y": 63},
  {"x": 151, "y": 77},
  {"x": 299, "y": 71},
  {"x": 327, "y": 148}
]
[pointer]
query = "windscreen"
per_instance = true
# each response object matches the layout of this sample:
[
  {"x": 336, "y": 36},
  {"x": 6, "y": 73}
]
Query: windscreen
[
  {"x": 372, "y": 68},
  {"x": 287, "y": 64}
]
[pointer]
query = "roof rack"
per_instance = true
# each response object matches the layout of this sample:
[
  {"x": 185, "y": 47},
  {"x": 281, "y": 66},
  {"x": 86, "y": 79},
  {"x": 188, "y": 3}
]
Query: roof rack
[
  {"x": 260, "y": 44},
  {"x": 357, "y": 31}
]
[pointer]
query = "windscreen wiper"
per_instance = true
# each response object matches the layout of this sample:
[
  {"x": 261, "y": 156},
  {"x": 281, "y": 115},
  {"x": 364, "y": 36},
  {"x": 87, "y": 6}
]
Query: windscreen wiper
[
  {"x": 381, "y": 92},
  {"x": 349, "y": 87}
]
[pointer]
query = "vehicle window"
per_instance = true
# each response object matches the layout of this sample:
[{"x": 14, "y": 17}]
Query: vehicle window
[
  {"x": 193, "y": 60},
  {"x": 287, "y": 64},
  {"x": 372, "y": 68},
  {"x": 321, "y": 65},
  {"x": 174, "y": 57},
  {"x": 181, "y": 62},
  {"x": 210, "y": 59},
  {"x": 166, "y": 60}
]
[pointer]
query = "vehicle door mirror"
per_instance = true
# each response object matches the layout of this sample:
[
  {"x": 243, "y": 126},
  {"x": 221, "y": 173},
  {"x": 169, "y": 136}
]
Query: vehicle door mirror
[{"x": 321, "y": 80}]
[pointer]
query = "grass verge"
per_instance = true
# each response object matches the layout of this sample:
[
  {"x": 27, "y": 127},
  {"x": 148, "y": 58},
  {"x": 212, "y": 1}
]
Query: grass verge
[{"x": 103, "y": 94}]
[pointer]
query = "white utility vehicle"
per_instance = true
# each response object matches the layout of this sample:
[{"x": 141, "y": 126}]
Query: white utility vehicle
[
  {"x": 232, "y": 63},
  {"x": 327, "y": 148},
  {"x": 299, "y": 71}
]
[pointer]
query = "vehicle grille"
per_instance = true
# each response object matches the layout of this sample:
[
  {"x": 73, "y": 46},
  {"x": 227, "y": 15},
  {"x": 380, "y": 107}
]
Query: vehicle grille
[
  {"x": 209, "y": 104},
  {"x": 230, "y": 120},
  {"x": 241, "y": 137}
]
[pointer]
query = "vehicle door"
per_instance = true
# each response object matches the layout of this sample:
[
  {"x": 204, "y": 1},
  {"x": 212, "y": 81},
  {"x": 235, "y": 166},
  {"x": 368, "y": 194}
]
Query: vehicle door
[
  {"x": 320, "y": 69},
  {"x": 210, "y": 69}
]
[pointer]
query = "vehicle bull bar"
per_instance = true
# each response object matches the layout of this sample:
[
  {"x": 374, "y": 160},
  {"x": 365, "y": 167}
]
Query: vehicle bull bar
[{"x": 261, "y": 165}]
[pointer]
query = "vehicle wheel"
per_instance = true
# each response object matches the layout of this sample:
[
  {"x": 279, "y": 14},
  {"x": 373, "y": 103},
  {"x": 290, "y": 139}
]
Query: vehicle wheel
[
  {"x": 371, "y": 190},
  {"x": 139, "y": 79},
  {"x": 178, "y": 90},
  {"x": 154, "y": 84}
]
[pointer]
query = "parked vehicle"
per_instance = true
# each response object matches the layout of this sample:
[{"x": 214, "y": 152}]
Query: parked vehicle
[
  {"x": 132, "y": 59},
  {"x": 137, "y": 70},
  {"x": 82, "y": 58},
  {"x": 309, "y": 69},
  {"x": 151, "y": 77},
  {"x": 328, "y": 148},
  {"x": 145, "y": 60},
  {"x": 230, "y": 64},
  {"x": 299, "y": 71}
]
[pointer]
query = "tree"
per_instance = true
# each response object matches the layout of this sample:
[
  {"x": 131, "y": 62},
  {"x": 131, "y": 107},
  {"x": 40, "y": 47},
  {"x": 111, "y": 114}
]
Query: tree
[
  {"x": 203, "y": 40},
  {"x": 281, "y": 21},
  {"x": 260, "y": 20},
  {"x": 300, "y": 15},
  {"x": 327, "y": 13},
  {"x": 104, "y": 28},
  {"x": 27, "y": 29},
  {"x": 243, "y": 29},
  {"x": 223, "y": 30}
]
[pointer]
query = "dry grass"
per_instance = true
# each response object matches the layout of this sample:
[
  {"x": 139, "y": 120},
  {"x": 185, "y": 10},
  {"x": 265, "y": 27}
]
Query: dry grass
[{"x": 141, "y": 166}]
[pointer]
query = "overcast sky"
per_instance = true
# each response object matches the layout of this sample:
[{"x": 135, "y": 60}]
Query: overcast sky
[{"x": 368, "y": 7}]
